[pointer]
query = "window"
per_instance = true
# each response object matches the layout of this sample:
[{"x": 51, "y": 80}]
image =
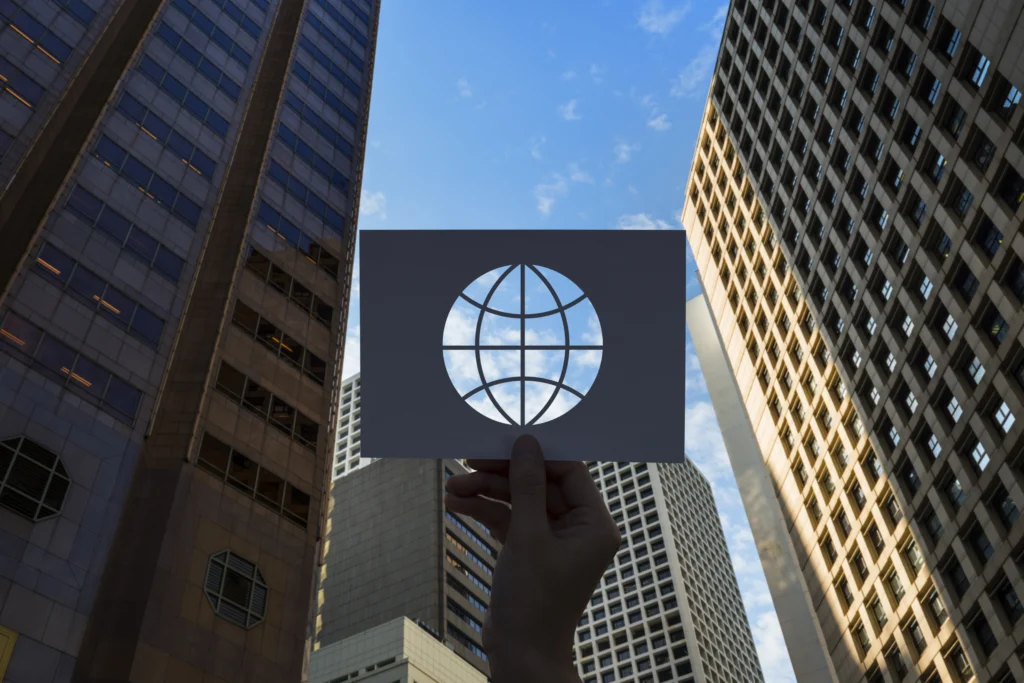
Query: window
[
  {"x": 936, "y": 607},
  {"x": 326, "y": 131},
  {"x": 218, "y": 35},
  {"x": 957, "y": 578},
  {"x": 71, "y": 369},
  {"x": 290, "y": 233},
  {"x": 878, "y": 612},
  {"x": 895, "y": 586},
  {"x": 1005, "y": 507},
  {"x": 930, "y": 521},
  {"x": 201, "y": 63},
  {"x": 1009, "y": 601},
  {"x": 236, "y": 589},
  {"x": 309, "y": 199},
  {"x": 980, "y": 71},
  {"x": 896, "y": 662},
  {"x": 1004, "y": 417},
  {"x": 916, "y": 636},
  {"x": 914, "y": 557},
  {"x": 37, "y": 35},
  {"x": 152, "y": 185},
  {"x": 979, "y": 456},
  {"x": 33, "y": 481},
  {"x": 983, "y": 634},
  {"x": 960, "y": 664},
  {"x": 253, "y": 479},
  {"x": 279, "y": 342},
  {"x": 190, "y": 155},
  {"x": 267, "y": 406},
  {"x": 98, "y": 295},
  {"x": 317, "y": 162},
  {"x": 975, "y": 371},
  {"x": 332, "y": 100}
]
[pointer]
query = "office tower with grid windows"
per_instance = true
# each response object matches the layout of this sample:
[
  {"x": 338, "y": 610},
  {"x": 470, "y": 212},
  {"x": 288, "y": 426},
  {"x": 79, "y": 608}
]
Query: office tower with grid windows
[
  {"x": 348, "y": 446},
  {"x": 669, "y": 607},
  {"x": 180, "y": 189},
  {"x": 393, "y": 550},
  {"x": 854, "y": 208}
]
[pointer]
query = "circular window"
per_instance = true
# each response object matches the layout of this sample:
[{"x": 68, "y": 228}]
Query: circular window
[
  {"x": 236, "y": 589},
  {"x": 522, "y": 345},
  {"x": 33, "y": 481}
]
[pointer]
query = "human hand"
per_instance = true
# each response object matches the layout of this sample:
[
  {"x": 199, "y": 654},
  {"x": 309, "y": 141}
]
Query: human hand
[{"x": 558, "y": 540}]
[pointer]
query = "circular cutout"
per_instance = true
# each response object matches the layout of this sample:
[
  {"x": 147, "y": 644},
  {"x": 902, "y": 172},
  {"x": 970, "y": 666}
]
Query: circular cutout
[{"x": 522, "y": 345}]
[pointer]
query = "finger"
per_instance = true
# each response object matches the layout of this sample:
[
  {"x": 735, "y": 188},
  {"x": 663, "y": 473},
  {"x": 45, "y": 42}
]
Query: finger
[
  {"x": 497, "y": 486},
  {"x": 492, "y": 515},
  {"x": 500, "y": 466},
  {"x": 576, "y": 486},
  {"x": 528, "y": 480}
]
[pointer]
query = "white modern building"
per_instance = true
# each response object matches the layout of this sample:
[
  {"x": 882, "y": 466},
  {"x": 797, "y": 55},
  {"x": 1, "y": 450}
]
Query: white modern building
[
  {"x": 399, "y": 650},
  {"x": 669, "y": 607},
  {"x": 348, "y": 436}
]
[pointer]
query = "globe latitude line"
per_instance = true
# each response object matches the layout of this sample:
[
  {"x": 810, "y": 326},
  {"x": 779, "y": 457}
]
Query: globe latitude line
[
  {"x": 505, "y": 314},
  {"x": 539, "y": 380}
]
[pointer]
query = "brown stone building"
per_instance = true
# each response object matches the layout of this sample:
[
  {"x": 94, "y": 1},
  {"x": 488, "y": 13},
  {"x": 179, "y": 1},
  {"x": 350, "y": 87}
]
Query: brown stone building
[
  {"x": 854, "y": 208},
  {"x": 181, "y": 183}
]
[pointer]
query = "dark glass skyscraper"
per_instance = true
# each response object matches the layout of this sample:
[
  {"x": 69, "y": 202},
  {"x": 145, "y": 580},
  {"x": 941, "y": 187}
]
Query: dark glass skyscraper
[{"x": 181, "y": 182}]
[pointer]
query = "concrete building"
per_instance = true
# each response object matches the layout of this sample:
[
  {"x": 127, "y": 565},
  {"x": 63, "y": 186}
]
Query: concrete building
[
  {"x": 854, "y": 208},
  {"x": 393, "y": 550},
  {"x": 180, "y": 190},
  {"x": 668, "y": 608},
  {"x": 348, "y": 446},
  {"x": 398, "y": 650}
]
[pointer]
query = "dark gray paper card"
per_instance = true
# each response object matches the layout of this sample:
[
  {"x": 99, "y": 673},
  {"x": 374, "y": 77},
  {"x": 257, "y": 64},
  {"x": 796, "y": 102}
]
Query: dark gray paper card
[{"x": 471, "y": 338}]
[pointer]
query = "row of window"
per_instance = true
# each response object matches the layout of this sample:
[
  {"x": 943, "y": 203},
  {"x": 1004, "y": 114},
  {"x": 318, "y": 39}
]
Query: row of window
[
  {"x": 318, "y": 163},
  {"x": 326, "y": 131},
  {"x": 296, "y": 292},
  {"x": 338, "y": 72},
  {"x": 460, "y": 566},
  {"x": 309, "y": 199},
  {"x": 299, "y": 240},
  {"x": 336, "y": 42},
  {"x": 463, "y": 613},
  {"x": 239, "y": 17},
  {"x": 152, "y": 185},
  {"x": 360, "y": 13},
  {"x": 342, "y": 21},
  {"x": 192, "y": 103},
  {"x": 159, "y": 130},
  {"x": 29, "y": 28},
  {"x": 201, "y": 63},
  {"x": 476, "y": 559},
  {"x": 324, "y": 93},
  {"x": 128, "y": 236},
  {"x": 280, "y": 343},
  {"x": 99, "y": 295},
  {"x": 272, "y": 408},
  {"x": 253, "y": 479},
  {"x": 216, "y": 33},
  {"x": 465, "y": 640},
  {"x": 14, "y": 81},
  {"x": 80, "y": 11},
  {"x": 457, "y": 587},
  {"x": 457, "y": 523},
  {"x": 76, "y": 372}
]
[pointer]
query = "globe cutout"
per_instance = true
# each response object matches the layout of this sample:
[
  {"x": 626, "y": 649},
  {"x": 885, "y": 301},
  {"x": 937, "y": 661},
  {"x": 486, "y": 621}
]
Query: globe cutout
[{"x": 522, "y": 345}]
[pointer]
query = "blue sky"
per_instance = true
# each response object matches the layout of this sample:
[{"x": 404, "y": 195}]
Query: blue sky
[{"x": 565, "y": 115}]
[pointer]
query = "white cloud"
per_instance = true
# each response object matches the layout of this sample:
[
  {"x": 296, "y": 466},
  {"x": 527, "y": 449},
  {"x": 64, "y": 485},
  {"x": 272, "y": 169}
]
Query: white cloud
[
  {"x": 655, "y": 18},
  {"x": 642, "y": 221},
  {"x": 568, "y": 110},
  {"x": 633, "y": 190},
  {"x": 535, "y": 147},
  {"x": 465, "y": 91},
  {"x": 660, "y": 122},
  {"x": 373, "y": 204},
  {"x": 771, "y": 648},
  {"x": 568, "y": 75},
  {"x": 596, "y": 74},
  {"x": 624, "y": 151},
  {"x": 577, "y": 175},
  {"x": 693, "y": 77},
  {"x": 548, "y": 193},
  {"x": 717, "y": 23}
]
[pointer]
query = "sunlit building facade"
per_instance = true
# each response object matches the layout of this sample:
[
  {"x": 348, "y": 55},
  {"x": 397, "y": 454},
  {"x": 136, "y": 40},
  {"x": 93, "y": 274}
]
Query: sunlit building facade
[
  {"x": 854, "y": 208},
  {"x": 180, "y": 190}
]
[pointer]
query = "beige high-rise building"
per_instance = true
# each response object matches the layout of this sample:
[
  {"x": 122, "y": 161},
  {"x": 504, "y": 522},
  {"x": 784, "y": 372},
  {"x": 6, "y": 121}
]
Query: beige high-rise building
[{"x": 854, "y": 209}]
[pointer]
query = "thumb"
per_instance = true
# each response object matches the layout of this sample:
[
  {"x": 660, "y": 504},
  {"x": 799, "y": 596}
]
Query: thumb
[{"x": 528, "y": 480}]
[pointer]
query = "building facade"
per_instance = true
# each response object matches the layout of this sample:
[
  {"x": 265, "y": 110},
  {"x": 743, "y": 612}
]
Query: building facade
[
  {"x": 393, "y": 550},
  {"x": 181, "y": 188},
  {"x": 669, "y": 607},
  {"x": 398, "y": 650},
  {"x": 854, "y": 210},
  {"x": 348, "y": 446}
]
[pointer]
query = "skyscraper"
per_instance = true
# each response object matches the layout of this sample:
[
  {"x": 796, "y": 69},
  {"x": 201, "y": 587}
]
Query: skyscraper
[
  {"x": 854, "y": 210},
  {"x": 348, "y": 447},
  {"x": 668, "y": 608},
  {"x": 393, "y": 550},
  {"x": 179, "y": 211}
]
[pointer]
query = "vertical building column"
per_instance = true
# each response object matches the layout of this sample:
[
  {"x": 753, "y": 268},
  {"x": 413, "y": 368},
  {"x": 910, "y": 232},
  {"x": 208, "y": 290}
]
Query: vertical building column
[{"x": 789, "y": 591}]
